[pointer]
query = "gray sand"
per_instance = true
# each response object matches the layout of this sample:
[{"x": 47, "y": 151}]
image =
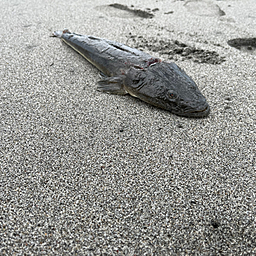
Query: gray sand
[{"x": 87, "y": 173}]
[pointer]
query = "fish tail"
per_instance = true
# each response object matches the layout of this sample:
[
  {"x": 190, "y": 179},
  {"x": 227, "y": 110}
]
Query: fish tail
[{"x": 60, "y": 33}]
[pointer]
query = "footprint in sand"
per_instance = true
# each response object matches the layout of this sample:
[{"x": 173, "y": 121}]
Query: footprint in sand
[
  {"x": 204, "y": 8},
  {"x": 175, "y": 50},
  {"x": 123, "y": 11},
  {"x": 244, "y": 44}
]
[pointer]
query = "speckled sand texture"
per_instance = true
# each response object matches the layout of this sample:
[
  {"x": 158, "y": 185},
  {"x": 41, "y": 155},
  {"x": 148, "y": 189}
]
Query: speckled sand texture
[{"x": 87, "y": 173}]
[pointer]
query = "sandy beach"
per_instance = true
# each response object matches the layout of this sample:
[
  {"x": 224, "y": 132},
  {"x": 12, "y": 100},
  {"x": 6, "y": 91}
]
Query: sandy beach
[{"x": 88, "y": 173}]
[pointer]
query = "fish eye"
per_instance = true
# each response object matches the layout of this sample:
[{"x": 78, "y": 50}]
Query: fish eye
[{"x": 172, "y": 95}]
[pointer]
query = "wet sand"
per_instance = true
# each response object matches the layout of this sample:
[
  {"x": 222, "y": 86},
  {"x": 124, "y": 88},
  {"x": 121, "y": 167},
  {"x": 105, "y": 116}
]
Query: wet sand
[{"x": 87, "y": 173}]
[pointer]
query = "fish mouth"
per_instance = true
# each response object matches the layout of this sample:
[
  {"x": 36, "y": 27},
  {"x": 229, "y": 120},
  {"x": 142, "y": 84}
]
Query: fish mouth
[{"x": 202, "y": 112}]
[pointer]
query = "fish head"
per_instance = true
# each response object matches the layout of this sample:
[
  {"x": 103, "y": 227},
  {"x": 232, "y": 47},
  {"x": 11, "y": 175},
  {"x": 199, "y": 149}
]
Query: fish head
[{"x": 167, "y": 86}]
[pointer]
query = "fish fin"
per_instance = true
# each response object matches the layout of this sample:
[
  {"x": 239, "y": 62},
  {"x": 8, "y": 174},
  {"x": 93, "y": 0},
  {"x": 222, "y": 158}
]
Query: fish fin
[
  {"x": 102, "y": 75},
  {"x": 112, "y": 85},
  {"x": 60, "y": 33}
]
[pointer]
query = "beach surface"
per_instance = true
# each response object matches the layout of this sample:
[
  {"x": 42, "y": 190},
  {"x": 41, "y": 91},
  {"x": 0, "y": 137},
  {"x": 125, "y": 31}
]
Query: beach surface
[{"x": 87, "y": 173}]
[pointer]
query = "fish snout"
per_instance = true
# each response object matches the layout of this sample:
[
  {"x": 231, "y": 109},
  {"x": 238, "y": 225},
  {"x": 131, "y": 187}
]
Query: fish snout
[{"x": 201, "y": 110}]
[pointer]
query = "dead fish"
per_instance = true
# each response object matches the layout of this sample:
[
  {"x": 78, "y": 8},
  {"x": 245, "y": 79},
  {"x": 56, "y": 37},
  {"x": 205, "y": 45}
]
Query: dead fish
[{"x": 137, "y": 73}]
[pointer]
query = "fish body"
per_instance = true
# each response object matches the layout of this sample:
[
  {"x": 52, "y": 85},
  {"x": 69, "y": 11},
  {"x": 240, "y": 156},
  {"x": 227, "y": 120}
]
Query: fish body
[{"x": 129, "y": 70}]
